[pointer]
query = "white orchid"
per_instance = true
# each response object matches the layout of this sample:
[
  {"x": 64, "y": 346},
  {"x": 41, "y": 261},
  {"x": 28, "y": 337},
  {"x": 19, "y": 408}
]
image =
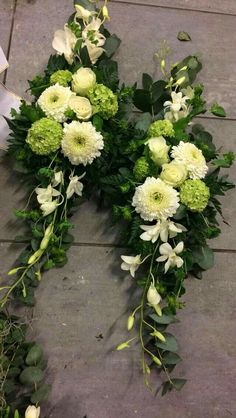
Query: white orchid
[
  {"x": 93, "y": 39},
  {"x": 64, "y": 42},
  {"x": 177, "y": 108},
  {"x": 45, "y": 195},
  {"x": 154, "y": 298},
  {"x": 32, "y": 412},
  {"x": 49, "y": 207},
  {"x": 75, "y": 186},
  {"x": 131, "y": 263},
  {"x": 162, "y": 229},
  {"x": 169, "y": 255},
  {"x": 82, "y": 13},
  {"x": 58, "y": 178}
]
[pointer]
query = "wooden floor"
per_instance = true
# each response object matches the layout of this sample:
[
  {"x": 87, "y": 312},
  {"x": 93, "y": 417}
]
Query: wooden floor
[{"x": 90, "y": 295}]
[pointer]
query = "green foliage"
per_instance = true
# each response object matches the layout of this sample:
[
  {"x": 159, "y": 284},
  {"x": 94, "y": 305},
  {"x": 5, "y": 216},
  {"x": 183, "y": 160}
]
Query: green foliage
[
  {"x": 218, "y": 110},
  {"x": 183, "y": 36}
]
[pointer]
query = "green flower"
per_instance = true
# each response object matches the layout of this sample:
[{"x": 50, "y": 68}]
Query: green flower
[
  {"x": 161, "y": 128},
  {"x": 62, "y": 77},
  {"x": 44, "y": 136},
  {"x": 195, "y": 195},
  {"x": 104, "y": 101},
  {"x": 141, "y": 169}
]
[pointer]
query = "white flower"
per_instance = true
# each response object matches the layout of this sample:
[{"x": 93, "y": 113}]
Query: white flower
[
  {"x": 189, "y": 92},
  {"x": 83, "y": 80},
  {"x": 46, "y": 194},
  {"x": 174, "y": 173},
  {"x": 82, "y": 13},
  {"x": 177, "y": 108},
  {"x": 58, "y": 178},
  {"x": 154, "y": 199},
  {"x": 81, "y": 142},
  {"x": 189, "y": 155},
  {"x": 75, "y": 186},
  {"x": 64, "y": 42},
  {"x": 93, "y": 39},
  {"x": 32, "y": 412},
  {"x": 131, "y": 263},
  {"x": 81, "y": 106},
  {"x": 169, "y": 255},
  {"x": 48, "y": 207},
  {"x": 159, "y": 150},
  {"x": 163, "y": 229},
  {"x": 54, "y": 101},
  {"x": 153, "y": 296}
]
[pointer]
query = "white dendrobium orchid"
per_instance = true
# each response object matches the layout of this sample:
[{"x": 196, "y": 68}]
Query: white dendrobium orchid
[
  {"x": 45, "y": 195},
  {"x": 131, "y": 263},
  {"x": 169, "y": 255},
  {"x": 82, "y": 13},
  {"x": 75, "y": 186},
  {"x": 32, "y": 412},
  {"x": 163, "y": 229},
  {"x": 64, "y": 42},
  {"x": 49, "y": 207},
  {"x": 58, "y": 179},
  {"x": 93, "y": 39},
  {"x": 177, "y": 108}
]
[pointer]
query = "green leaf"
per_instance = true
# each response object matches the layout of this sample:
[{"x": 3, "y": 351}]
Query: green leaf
[
  {"x": 170, "y": 344},
  {"x": 171, "y": 358},
  {"x": 147, "y": 81},
  {"x": 143, "y": 122},
  {"x": 225, "y": 161},
  {"x": 111, "y": 45},
  {"x": 183, "y": 36},
  {"x": 142, "y": 100},
  {"x": 31, "y": 375},
  {"x": 164, "y": 319},
  {"x": 166, "y": 387},
  {"x": 85, "y": 58},
  {"x": 98, "y": 122},
  {"x": 180, "y": 213},
  {"x": 158, "y": 88},
  {"x": 87, "y": 4},
  {"x": 34, "y": 355},
  {"x": 203, "y": 256},
  {"x": 178, "y": 383},
  {"x": 41, "y": 394},
  {"x": 218, "y": 110}
]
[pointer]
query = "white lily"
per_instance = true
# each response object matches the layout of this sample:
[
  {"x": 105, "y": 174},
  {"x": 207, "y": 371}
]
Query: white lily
[
  {"x": 32, "y": 412},
  {"x": 49, "y": 207},
  {"x": 75, "y": 186},
  {"x": 131, "y": 263},
  {"x": 45, "y": 195},
  {"x": 58, "y": 178},
  {"x": 162, "y": 229},
  {"x": 82, "y": 13},
  {"x": 169, "y": 255},
  {"x": 64, "y": 42}
]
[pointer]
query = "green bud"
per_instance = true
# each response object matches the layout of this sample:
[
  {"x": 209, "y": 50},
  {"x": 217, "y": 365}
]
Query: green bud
[
  {"x": 35, "y": 256},
  {"x": 44, "y": 243},
  {"x": 126, "y": 212},
  {"x": 158, "y": 309},
  {"x": 180, "y": 81},
  {"x": 122, "y": 346},
  {"x": 156, "y": 360},
  {"x": 13, "y": 271},
  {"x": 130, "y": 322},
  {"x": 124, "y": 188},
  {"x": 159, "y": 335}
]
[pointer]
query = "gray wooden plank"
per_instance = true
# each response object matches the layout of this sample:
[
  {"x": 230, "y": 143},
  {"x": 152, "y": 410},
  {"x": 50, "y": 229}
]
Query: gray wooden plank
[
  {"x": 6, "y": 7},
  {"x": 213, "y": 6},
  {"x": 141, "y": 29},
  {"x": 91, "y": 378}
]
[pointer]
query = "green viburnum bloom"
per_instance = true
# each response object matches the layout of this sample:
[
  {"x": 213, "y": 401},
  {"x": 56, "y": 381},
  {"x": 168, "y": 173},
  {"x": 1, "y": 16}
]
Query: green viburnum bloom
[
  {"x": 62, "y": 77},
  {"x": 141, "y": 169},
  {"x": 103, "y": 100},
  {"x": 44, "y": 136},
  {"x": 161, "y": 128},
  {"x": 194, "y": 194}
]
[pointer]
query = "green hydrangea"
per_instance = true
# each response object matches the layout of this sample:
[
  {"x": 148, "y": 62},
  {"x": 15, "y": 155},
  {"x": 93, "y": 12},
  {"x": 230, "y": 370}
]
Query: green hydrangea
[
  {"x": 161, "y": 128},
  {"x": 44, "y": 136},
  {"x": 103, "y": 100},
  {"x": 62, "y": 77},
  {"x": 195, "y": 195},
  {"x": 141, "y": 169}
]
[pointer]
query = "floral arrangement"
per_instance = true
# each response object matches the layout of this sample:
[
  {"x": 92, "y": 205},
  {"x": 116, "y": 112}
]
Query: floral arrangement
[{"x": 157, "y": 170}]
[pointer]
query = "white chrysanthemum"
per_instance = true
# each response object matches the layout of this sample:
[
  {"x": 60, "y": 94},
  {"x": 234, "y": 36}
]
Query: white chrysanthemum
[
  {"x": 192, "y": 157},
  {"x": 154, "y": 199},
  {"x": 81, "y": 142},
  {"x": 54, "y": 101}
]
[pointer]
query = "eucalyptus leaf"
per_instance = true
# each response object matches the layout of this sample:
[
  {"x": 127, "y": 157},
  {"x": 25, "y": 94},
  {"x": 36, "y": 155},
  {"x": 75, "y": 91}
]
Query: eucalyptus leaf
[
  {"x": 31, "y": 375},
  {"x": 171, "y": 358},
  {"x": 41, "y": 394},
  {"x": 169, "y": 345},
  {"x": 143, "y": 122},
  {"x": 86, "y": 4},
  {"x": 178, "y": 383},
  {"x": 111, "y": 45},
  {"x": 34, "y": 355},
  {"x": 183, "y": 36},
  {"x": 203, "y": 256},
  {"x": 164, "y": 319},
  {"x": 147, "y": 81}
]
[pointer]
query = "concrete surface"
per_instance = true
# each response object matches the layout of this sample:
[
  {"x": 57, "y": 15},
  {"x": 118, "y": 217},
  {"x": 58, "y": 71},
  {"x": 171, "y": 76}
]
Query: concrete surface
[{"x": 90, "y": 295}]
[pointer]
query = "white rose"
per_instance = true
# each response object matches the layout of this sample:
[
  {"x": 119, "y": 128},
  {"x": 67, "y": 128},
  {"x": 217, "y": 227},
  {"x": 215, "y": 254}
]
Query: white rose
[
  {"x": 81, "y": 106},
  {"x": 159, "y": 150},
  {"x": 83, "y": 80},
  {"x": 174, "y": 174},
  {"x": 32, "y": 412}
]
